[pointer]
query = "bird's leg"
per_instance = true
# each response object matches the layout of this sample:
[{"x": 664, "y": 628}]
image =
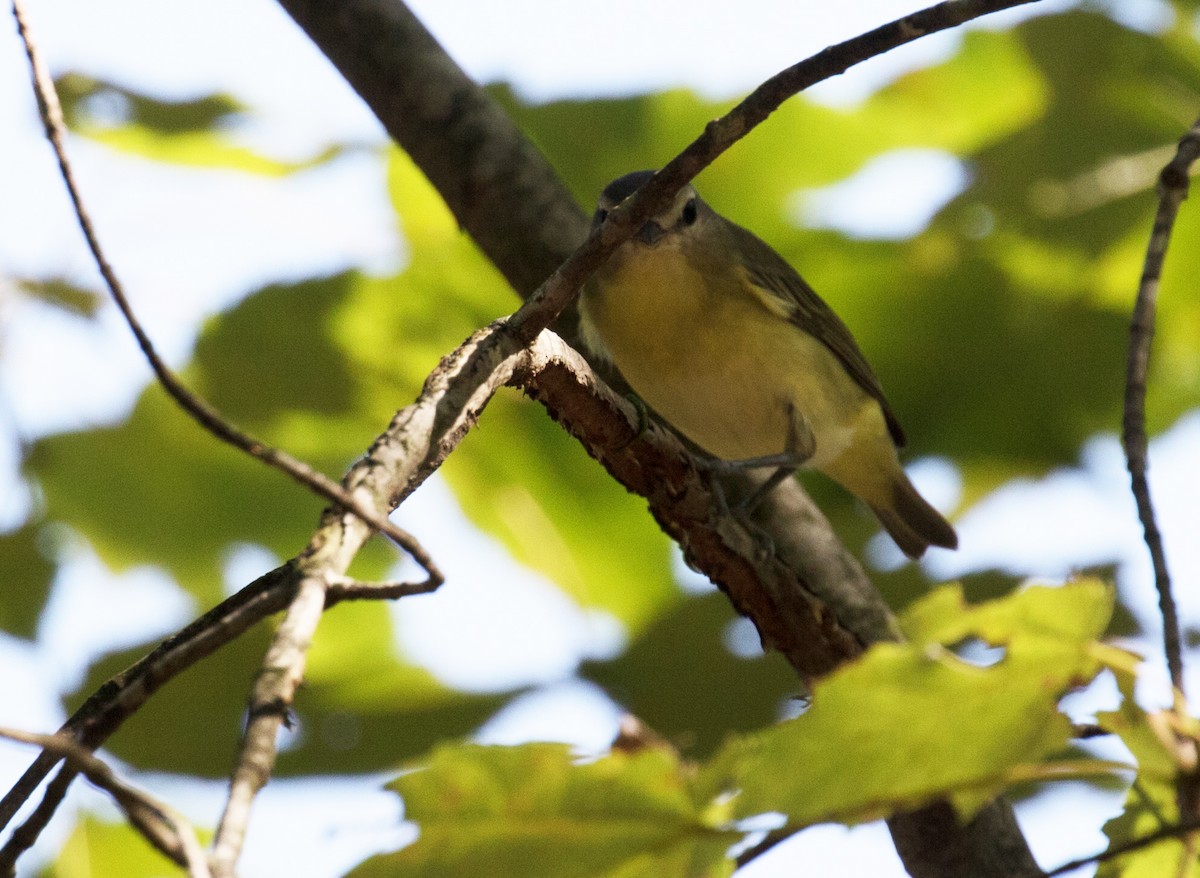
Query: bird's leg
[{"x": 799, "y": 447}]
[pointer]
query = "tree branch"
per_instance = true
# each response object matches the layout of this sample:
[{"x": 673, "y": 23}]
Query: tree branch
[
  {"x": 118, "y": 699},
  {"x": 1173, "y": 831},
  {"x": 275, "y": 687},
  {"x": 1172, "y": 190},
  {"x": 159, "y": 823}
]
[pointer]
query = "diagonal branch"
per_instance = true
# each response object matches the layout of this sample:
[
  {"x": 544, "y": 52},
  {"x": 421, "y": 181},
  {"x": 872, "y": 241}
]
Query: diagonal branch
[
  {"x": 159, "y": 823},
  {"x": 720, "y": 134},
  {"x": 121, "y": 697},
  {"x": 653, "y": 462},
  {"x": 200, "y": 411},
  {"x": 1163, "y": 833},
  {"x": 1172, "y": 190}
]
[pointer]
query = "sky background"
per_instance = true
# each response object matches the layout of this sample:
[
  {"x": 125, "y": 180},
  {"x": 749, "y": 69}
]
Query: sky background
[{"x": 59, "y": 373}]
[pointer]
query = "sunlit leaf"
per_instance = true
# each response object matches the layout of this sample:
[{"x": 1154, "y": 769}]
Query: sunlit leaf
[
  {"x": 191, "y": 132},
  {"x": 1152, "y": 801},
  {"x": 96, "y": 847},
  {"x": 910, "y": 723},
  {"x": 536, "y": 811}
]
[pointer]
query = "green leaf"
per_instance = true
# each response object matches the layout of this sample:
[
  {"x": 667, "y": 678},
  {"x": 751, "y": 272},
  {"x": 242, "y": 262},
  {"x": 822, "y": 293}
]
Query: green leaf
[
  {"x": 910, "y": 723},
  {"x": 29, "y": 573},
  {"x": 658, "y": 678},
  {"x": 160, "y": 490},
  {"x": 188, "y": 132},
  {"x": 63, "y": 294},
  {"x": 535, "y": 810},
  {"x": 364, "y": 708},
  {"x": 83, "y": 97},
  {"x": 1073, "y": 615},
  {"x": 1152, "y": 802},
  {"x": 988, "y": 90},
  {"x": 96, "y": 847}
]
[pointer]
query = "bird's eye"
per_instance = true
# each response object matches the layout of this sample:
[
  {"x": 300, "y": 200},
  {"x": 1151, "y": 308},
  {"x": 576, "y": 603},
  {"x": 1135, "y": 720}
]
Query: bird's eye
[
  {"x": 601, "y": 215},
  {"x": 689, "y": 212}
]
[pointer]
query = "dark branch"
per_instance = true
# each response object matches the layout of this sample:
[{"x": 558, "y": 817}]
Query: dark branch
[
  {"x": 118, "y": 699},
  {"x": 720, "y": 134},
  {"x": 1172, "y": 190}
]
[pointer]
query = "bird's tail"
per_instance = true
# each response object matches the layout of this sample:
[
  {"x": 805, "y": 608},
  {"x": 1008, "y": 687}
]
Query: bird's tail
[{"x": 912, "y": 522}]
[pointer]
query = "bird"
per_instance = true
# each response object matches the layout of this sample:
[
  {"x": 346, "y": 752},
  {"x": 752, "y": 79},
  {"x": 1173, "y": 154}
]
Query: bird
[{"x": 721, "y": 337}]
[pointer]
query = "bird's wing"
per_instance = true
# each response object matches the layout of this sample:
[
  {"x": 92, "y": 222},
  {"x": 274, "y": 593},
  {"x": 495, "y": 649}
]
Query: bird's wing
[{"x": 771, "y": 273}]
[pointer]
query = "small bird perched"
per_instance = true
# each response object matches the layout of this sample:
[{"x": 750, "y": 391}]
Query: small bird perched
[{"x": 719, "y": 334}]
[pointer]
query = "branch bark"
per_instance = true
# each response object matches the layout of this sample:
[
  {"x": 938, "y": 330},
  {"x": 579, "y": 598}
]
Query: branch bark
[
  {"x": 1173, "y": 189},
  {"x": 161, "y": 825}
]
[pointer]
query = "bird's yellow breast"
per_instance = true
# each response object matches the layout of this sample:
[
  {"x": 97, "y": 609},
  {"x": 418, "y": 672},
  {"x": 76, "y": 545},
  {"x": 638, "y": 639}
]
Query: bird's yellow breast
[{"x": 718, "y": 358}]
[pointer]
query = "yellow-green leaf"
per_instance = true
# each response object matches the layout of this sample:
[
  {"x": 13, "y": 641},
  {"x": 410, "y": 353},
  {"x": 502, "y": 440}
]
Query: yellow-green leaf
[{"x": 523, "y": 812}]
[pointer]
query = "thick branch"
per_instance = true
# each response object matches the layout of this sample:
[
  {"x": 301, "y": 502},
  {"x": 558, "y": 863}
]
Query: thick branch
[
  {"x": 790, "y": 616},
  {"x": 498, "y": 185}
]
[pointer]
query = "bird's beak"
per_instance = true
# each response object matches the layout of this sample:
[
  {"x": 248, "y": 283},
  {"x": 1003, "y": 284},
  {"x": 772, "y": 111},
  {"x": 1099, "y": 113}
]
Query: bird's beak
[{"x": 650, "y": 233}]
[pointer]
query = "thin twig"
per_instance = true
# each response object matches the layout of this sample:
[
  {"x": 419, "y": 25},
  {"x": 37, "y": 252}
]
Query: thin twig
[
  {"x": 719, "y": 135},
  {"x": 124, "y": 694},
  {"x": 768, "y": 841},
  {"x": 201, "y": 411},
  {"x": 27, "y": 833},
  {"x": 1162, "y": 834},
  {"x": 1172, "y": 190},
  {"x": 162, "y": 825},
  {"x": 346, "y": 588}
]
